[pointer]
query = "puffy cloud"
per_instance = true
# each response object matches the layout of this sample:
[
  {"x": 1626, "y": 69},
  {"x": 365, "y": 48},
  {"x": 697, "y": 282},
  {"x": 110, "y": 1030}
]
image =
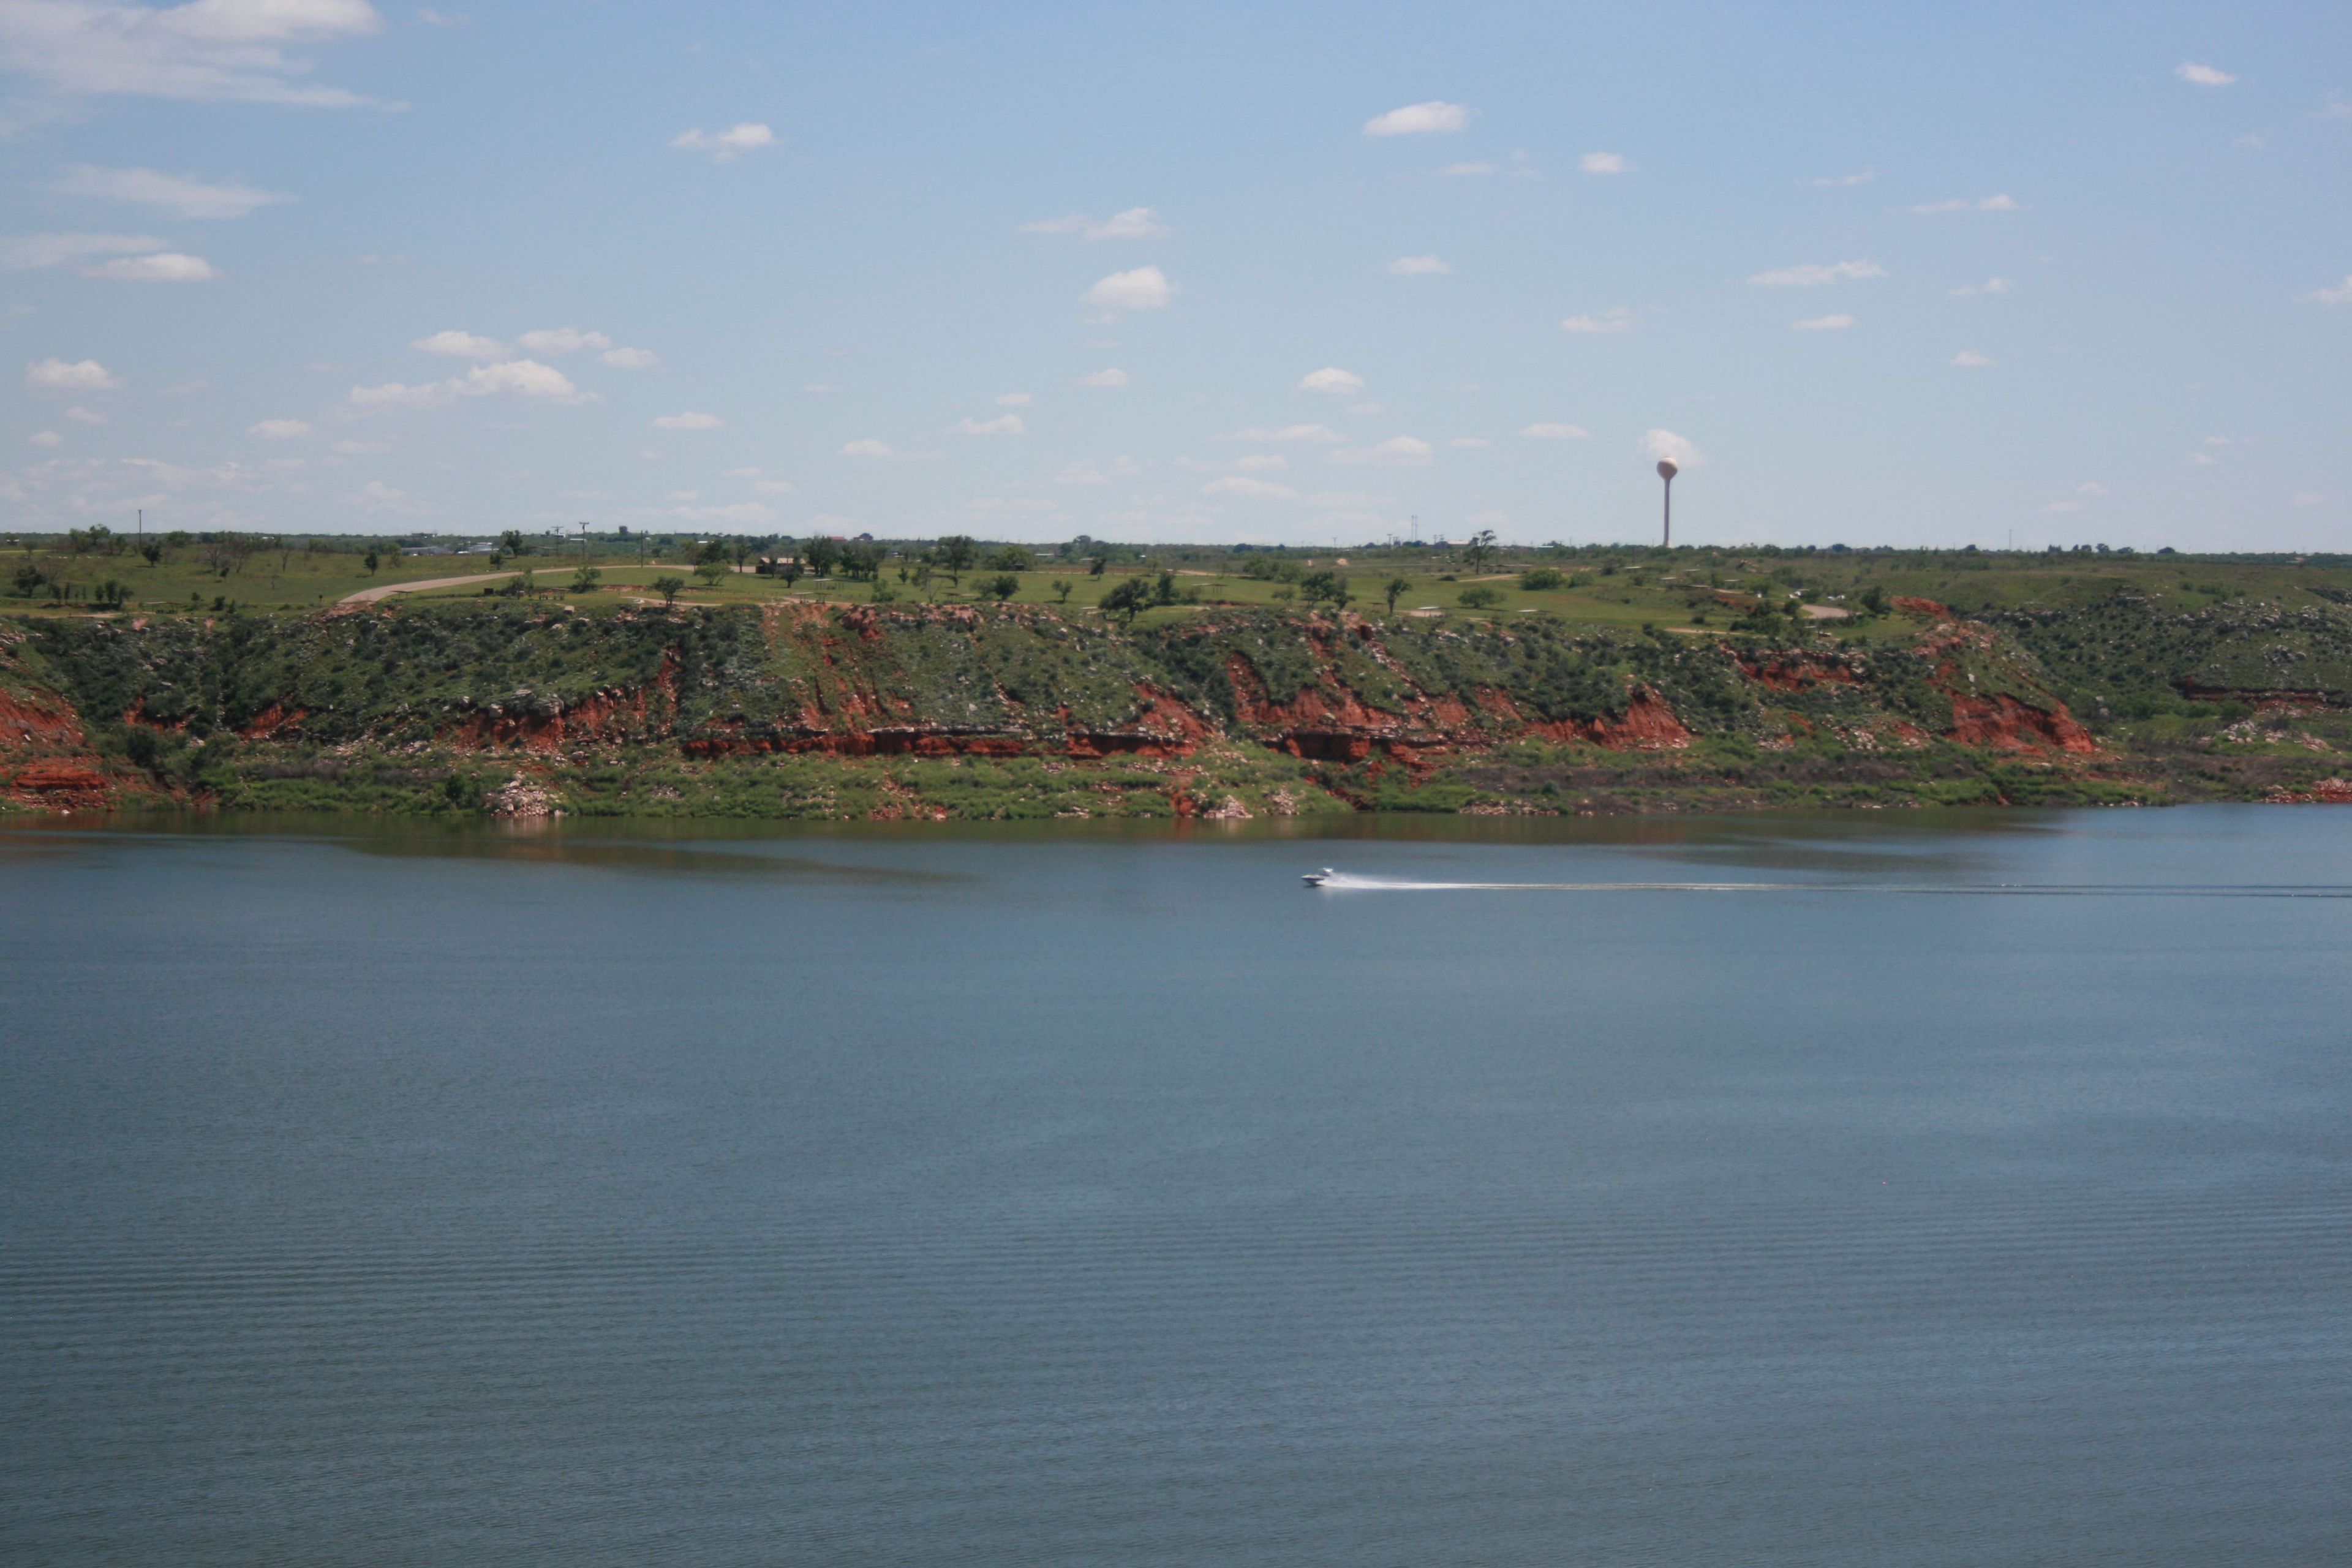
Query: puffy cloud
[
  {"x": 1469, "y": 443},
  {"x": 562, "y": 341},
  {"x": 1603, "y": 163},
  {"x": 47, "y": 440},
  {"x": 163, "y": 267},
  {"x": 181, "y": 196},
  {"x": 1418, "y": 120},
  {"x": 516, "y": 378},
  {"x": 2202, "y": 75},
  {"x": 81, "y": 415},
  {"x": 2306, "y": 498},
  {"x": 361, "y": 448},
  {"x": 1144, "y": 288},
  {"x": 1396, "y": 452},
  {"x": 1002, "y": 425},
  {"x": 1990, "y": 286},
  {"x": 1362, "y": 410},
  {"x": 2003, "y": 203},
  {"x": 1261, "y": 463},
  {"x": 1418, "y": 267},
  {"x": 2340, "y": 295},
  {"x": 219, "y": 51},
  {"x": 725, "y": 146},
  {"x": 29, "y": 252},
  {"x": 1467, "y": 171},
  {"x": 1821, "y": 324},
  {"x": 1015, "y": 400},
  {"x": 1620, "y": 319},
  {"x": 688, "y": 422},
  {"x": 1091, "y": 471},
  {"x": 1556, "y": 432},
  {"x": 1814, "y": 273},
  {"x": 58, "y": 376},
  {"x": 1665, "y": 447},
  {"x": 868, "y": 446},
  {"x": 1863, "y": 178},
  {"x": 279, "y": 429},
  {"x": 1333, "y": 381},
  {"x": 630, "y": 359},
  {"x": 776, "y": 488},
  {"x": 1076, "y": 222},
  {"x": 461, "y": 345},
  {"x": 1287, "y": 434},
  {"x": 377, "y": 496},
  {"x": 1969, "y": 359},
  {"x": 1109, "y": 377},
  {"x": 1241, "y": 485}
]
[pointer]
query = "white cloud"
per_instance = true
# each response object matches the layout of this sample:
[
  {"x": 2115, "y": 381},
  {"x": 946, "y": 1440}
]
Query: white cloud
[
  {"x": 2091, "y": 487},
  {"x": 1261, "y": 463},
  {"x": 48, "y": 440},
  {"x": 57, "y": 375},
  {"x": 520, "y": 378},
  {"x": 1556, "y": 432},
  {"x": 1109, "y": 377},
  {"x": 2306, "y": 498},
  {"x": 1665, "y": 446},
  {"x": 562, "y": 341},
  {"x": 2063, "y": 506},
  {"x": 1990, "y": 286},
  {"x": 2340, "y": 295},
  {"x": 2002, "y": 204},
  {"x": 741, "y": 474},
  {"x": 1241, "y": 485},
  {"x": 1144, "y": 288},
  {"x": 1076, "y": 222},
  {"x": 1002, "y": 425},
  {"x": 1620, "y": 319},
  {"x": 1821, "y": 324},
  {"x": 1015, "y": 400},
  {"x": 749, "y": 512},
  {"x": 1813, "y": 273},
  {"x": 776, "y": 488},
  {"x": 81, "y": 415},
  {"x": 2217, "y": 440},
  {"x": 361, "y": 448},
  {"x": 688, "y": 422},
  {"x": 1362, "y": 410},
  {"x": 1969, "y": 359},
  {"x": 868, "y": 446},
  {"x": 1469, "y": 441},
  {"x": 630, "y": 359},
  {"x": 1396, "y": 452},
  {"x": 1418, "y": 267},
  {"x": 177, "y": 194},
  {"x": 2202, "y": 460},
  {"x": 279, "y": 429},
  {"x": 1603, "y": 163},
  {"x": 163, "y": 267},
  {"x": 456, "y": 344},
  {"x": 1135, "y": 223},
  {"x": 377, "y": 496},
  {"x": 216, "y": 51},
  {"x": 1287, "y": 434},
  {"x": 2202, "y": 75},
  {"x": 1862, "y": 178},
  {"x": 725, "y": 146},
  {"x": 1467, "y": 171},
  {"x": 28, "y": 252},
  {"x": 1091, "y": 471},
  {"x": 1418, "y": 120},
  {"x": 1333, "y": 381}
]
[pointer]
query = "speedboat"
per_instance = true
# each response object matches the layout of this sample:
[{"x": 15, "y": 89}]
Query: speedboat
[{"x": 1317, "y": 879}]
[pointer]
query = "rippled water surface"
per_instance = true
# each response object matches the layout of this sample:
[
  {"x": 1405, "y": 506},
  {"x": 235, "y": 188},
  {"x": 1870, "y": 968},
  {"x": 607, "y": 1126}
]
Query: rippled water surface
[{"x": 1964, "y": 1191}]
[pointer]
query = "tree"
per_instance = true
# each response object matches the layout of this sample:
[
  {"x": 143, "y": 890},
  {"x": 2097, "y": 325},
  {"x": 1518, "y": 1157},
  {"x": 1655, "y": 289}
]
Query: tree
[
  {"x": 668, "y": 588},
  {"x": 1478, "y": 596},
  {"x": 1317, "y": 586},
  {"x": 587, "y": 579},
  {"x": 1008, "y": 558},
  {"x": 1128, "y": 599},
  {"x": 956, "y": 554},
  {"x": 1001, "y": 587},
  {"x": 111, "y": 594},
  {"x": 370, "y": 562},
  {"x": 1397, "y": 585},
  {"x": 1481, "y": 549},
  {"x": 151, "y": 551},
  {"x": 711, "y": 571},
  {"x": 1163, "y": 591},
  {"x": 789, "y": 569},
  {"x": 821, "y": 553},
  {"x": 713, "y": 553},
  {"x": 28, "y": 580},
  {"x": 1094, "y": 567},
  {"x": 1543, "y": 579},
  {"x": 740, "y": 550},
  {"x": 1062, "y": 592},
  {"x": 513, "y": 542}
]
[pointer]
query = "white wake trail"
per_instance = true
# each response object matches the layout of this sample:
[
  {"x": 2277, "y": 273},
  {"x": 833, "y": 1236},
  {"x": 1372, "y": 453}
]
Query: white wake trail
[{"x": 1341, "y": 881}]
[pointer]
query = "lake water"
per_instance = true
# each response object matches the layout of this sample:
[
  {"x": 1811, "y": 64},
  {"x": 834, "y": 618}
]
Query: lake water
[{"x": 957, "y": 1197}]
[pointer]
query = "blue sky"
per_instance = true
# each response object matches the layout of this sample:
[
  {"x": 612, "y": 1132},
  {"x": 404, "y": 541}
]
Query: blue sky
[{"x": 1302, "y": 273}]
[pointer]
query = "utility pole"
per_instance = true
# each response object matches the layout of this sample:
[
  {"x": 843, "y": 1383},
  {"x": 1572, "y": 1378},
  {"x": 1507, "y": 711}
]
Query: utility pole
[
  {"x": 1666, "y": 471},
  {"x": 143, "y": 524}
]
